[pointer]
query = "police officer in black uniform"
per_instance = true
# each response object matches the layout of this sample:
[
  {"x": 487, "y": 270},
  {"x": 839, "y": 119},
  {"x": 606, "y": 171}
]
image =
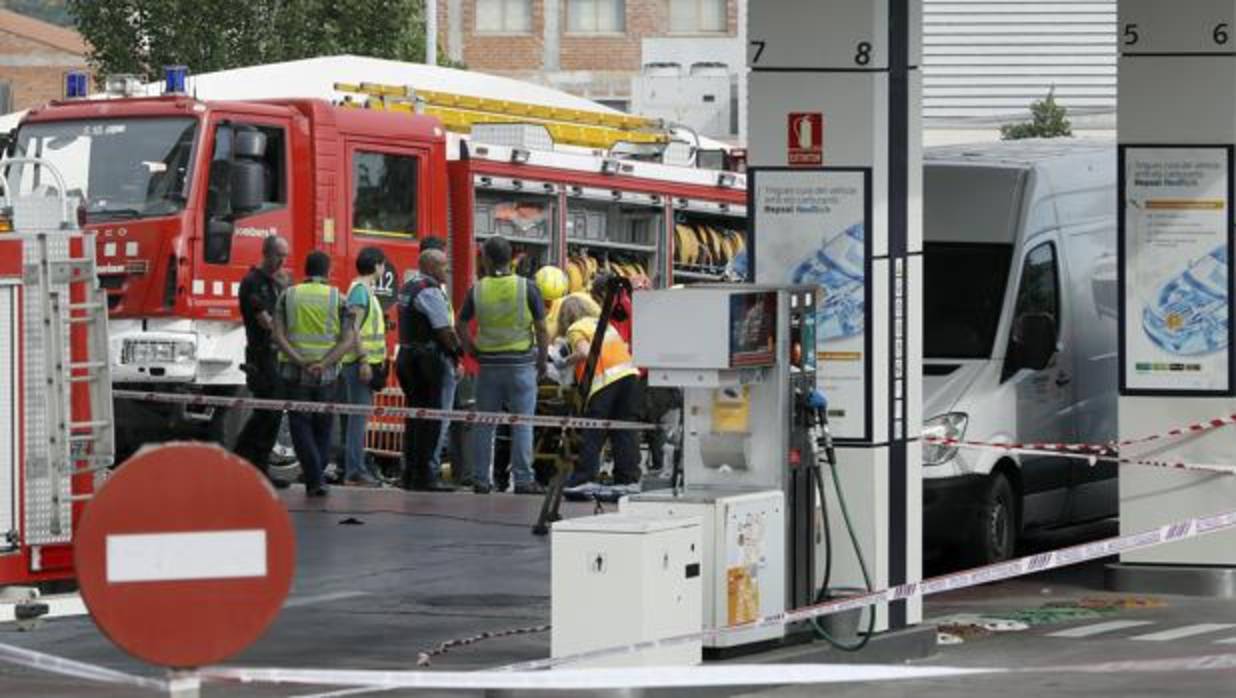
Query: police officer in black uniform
[
  {"x": 259, "y": 291},
  {"x": 428, "y": 348}
]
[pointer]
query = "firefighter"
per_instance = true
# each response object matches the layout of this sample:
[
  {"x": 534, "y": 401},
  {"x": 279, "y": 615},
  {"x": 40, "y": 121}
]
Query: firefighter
[
  {"x": 511, "y": 346},
  {"x": 312, "y": 338},
  {"x": 367, "y": 358},
  {"x": 613, "y": 394}
]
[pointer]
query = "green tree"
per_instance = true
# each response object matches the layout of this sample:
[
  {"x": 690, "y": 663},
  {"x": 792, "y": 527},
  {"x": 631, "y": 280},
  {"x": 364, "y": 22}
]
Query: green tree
[
  {"x": 141, "y": 36},
  {"x": 1048, "y": 120}
]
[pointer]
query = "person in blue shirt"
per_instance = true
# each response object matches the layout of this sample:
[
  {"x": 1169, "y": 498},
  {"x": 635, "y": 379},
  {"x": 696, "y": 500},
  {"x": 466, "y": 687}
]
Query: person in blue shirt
[
  {"x": 363, "y": 313},
  {"x": 429, "y": 353}
]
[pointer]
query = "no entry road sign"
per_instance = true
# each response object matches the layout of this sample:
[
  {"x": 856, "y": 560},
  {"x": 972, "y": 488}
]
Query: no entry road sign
[{"x": 185, "y": 555}]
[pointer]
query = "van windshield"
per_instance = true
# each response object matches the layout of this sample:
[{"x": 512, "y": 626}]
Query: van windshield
[{"x": 963, "y": 292}]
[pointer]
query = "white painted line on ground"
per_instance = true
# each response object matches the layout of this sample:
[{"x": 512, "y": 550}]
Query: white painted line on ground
[
  {"x": 159, "y": 557},
  {"x": 1099, "y": 628},
  {"x": 323, "y": 598},
  {"x": 1186, "y": 631},
  {"x": 1228, "y": 641}
]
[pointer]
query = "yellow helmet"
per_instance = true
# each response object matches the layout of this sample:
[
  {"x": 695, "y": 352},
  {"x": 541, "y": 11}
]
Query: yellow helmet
[{"x": 552, "y": 282}]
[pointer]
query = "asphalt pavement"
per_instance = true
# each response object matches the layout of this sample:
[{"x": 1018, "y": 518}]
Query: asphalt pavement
[{"x": 383, "y": 575}]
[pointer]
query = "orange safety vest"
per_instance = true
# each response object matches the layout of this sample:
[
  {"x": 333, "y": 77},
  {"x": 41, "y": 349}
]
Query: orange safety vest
[{"x": 615, "y": 361}]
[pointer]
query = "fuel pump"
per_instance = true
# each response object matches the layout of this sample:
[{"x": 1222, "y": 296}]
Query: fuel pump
[{"x": 737, "y": 352}]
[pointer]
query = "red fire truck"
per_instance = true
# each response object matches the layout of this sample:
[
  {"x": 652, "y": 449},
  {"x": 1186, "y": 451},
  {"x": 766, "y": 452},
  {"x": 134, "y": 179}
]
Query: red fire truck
[
  {"x": 180, "y": 193},
  {"x": 56, "y": 410}
]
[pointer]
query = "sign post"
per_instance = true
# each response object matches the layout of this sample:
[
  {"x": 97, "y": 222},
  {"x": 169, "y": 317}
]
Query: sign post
[{"x": 185, "y": 557}]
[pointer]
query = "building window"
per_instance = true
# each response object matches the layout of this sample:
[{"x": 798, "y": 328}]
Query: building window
[
  {"x": 596, "y": 16},
  {"x": 503, "y": 16},
  {"x": 384, "y": 193},
  {"x": 698, "y": 16}
]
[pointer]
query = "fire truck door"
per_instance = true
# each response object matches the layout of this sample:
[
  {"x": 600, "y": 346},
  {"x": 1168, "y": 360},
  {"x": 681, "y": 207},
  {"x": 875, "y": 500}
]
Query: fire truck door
[
  {"x": 387, "y": 209},
  {"x": 259, "y": 148}
]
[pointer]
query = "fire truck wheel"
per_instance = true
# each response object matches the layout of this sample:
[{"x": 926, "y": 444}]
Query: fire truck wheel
[{"x": 227, "y": 423}]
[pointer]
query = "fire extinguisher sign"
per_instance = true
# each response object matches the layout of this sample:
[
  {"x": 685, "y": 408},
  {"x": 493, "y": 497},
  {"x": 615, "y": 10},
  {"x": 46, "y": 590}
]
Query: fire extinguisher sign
[{"x": 805, "y": 139}]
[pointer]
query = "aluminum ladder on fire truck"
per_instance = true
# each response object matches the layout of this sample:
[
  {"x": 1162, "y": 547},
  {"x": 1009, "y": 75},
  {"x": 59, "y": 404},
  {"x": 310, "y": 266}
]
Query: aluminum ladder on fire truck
[
  {"x": 459, "y": 113},
  {"x": 64, "y": 436}
]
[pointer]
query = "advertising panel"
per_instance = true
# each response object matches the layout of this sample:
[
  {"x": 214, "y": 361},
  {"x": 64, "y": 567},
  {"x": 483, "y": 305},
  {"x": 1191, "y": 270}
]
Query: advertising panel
[
  {"x": 1175, "y": 242},
  {"x": 812, "y": 226}
]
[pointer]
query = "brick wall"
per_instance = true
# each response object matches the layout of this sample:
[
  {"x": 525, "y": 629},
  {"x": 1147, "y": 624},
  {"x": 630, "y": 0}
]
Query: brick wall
[
  {"x": 502, "y": 53},
  {"x": 34, "y": 71},
  {"x": 611, "y": 56},
  {"x": 615, "y": 53}
]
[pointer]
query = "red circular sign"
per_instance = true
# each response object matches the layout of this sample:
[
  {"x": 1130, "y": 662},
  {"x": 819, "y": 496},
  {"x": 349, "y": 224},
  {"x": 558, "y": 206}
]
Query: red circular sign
[{"x": 185, "y": 555}]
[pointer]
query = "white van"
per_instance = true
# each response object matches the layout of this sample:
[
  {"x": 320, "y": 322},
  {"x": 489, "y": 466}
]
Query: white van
[{"x": 1019, "y": 338}]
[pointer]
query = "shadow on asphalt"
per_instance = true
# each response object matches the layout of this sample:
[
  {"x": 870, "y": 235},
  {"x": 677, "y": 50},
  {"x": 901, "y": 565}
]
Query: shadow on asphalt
[{"x": 940, "y": 561}]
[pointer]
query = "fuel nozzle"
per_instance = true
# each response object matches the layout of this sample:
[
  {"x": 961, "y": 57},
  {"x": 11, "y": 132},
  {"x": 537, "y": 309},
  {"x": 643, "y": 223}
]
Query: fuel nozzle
[{"x": 817, "y": 404}]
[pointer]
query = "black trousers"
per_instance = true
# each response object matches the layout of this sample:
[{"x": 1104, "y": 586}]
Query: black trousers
[
  {"x": 619, "y": 400},
  {"x": 658, "y": 402},
  {"x": 420, "y": 372},
  {"x": 261, "y": 430}
]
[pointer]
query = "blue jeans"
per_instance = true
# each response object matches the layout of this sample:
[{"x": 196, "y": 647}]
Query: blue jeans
[
  {"x": 515, "y": 387},
  {"x": 311, "y": 432},
  {"x": 355, "y": 392},
  {"x": 448, "y": 403}
]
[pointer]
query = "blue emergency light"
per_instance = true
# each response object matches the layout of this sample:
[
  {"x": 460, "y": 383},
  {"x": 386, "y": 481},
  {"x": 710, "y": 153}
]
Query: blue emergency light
[
  {"x": 76, "y": 85},
  {"x": 175, "y": 77}
]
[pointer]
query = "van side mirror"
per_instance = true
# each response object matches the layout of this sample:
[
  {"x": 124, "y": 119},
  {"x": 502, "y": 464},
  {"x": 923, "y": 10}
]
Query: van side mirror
[{"x": 1036, "y": 340}]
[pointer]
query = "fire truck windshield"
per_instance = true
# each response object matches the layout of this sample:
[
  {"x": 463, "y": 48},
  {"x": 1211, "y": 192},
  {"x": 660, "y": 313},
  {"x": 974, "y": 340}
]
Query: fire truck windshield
[{"x": 118, "y": 168}]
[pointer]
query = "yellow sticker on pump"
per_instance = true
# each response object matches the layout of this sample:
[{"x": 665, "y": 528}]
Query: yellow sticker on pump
[{"x": 731, "y": 410}]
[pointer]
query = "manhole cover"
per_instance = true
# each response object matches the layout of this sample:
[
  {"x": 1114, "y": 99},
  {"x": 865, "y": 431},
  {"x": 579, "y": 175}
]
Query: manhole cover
[{"x": 510, "y": 601}]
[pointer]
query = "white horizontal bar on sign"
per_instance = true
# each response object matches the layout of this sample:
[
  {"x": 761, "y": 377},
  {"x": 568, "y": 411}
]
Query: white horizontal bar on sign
[{"x": 164, "y": 557}]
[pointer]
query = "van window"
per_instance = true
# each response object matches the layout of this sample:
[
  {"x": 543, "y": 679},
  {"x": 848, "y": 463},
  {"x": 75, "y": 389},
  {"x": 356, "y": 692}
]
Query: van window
[
  {"x": 384, "y": 193},
  {"x": 1039, "y": 294},
  {"x": 971, "y": 204},
  {"x": 962, "y": 311}
]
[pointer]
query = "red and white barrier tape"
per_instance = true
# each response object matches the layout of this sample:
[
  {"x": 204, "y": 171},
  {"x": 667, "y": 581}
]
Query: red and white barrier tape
[
  {"x": 494, "y": 418},
  {"x": 592, "y": 679},
  {"x": 1108, "y": 449},
  {"x": 1169, "y": 533},
  {"x": 50, "y": 663},
  {"x": 1093, "y": 458}
]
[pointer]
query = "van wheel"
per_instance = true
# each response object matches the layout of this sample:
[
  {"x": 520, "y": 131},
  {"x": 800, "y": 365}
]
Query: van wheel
[{"x": 994, "y": 534}]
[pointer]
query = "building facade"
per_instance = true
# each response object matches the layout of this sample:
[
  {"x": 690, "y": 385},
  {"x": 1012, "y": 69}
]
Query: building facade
[
  {"x": 599, "y": 49},
  {"x": 34, "y": 56},
  {"x": 984, "y": 61}
]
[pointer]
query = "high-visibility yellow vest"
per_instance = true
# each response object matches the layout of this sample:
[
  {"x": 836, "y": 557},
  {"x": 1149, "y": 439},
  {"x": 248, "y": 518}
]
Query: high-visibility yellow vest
[
  {"x": 503, "y": 320},
  {"x": 615, "y": 361},
  {"x": 372, "y": 331},
  {"x": 311, "y": 314}
]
